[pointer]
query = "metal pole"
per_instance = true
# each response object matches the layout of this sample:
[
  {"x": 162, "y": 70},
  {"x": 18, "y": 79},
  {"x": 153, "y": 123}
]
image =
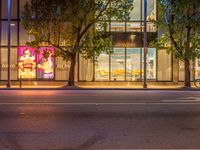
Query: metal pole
[
  {"x": 145, "y": 44},
  {"x": 9, "y": 18}
]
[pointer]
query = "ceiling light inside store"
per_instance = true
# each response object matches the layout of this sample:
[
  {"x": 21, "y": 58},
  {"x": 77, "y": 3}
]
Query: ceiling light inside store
[{"x": 12, "y": 24}]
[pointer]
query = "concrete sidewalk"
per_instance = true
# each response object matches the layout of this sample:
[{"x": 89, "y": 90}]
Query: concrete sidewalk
[{"x": 135, "y": 87}]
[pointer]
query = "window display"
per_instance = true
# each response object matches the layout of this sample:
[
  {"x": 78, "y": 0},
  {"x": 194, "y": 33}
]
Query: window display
[
  {"x": 29, "y": 59},
  {"x": 45, "y": 63},
  {"x": 151, "y": 63},
  {"x": 102, "y": 67},
  {"x": 118, "y": 64},
  {"x": 133, "y": 63},
  {"x": 26, "y": 63}
]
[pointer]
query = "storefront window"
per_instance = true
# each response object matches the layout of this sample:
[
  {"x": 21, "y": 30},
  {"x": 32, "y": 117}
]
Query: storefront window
[
  {"x": 197, "y": 68},
  {"x": 135, "y": 14},
  {"x": 22, "y": 4},
  {"x": 151, "y": 27},
  {"x": 4, "y": 9},
  {"x": 133, "y": 63},
  {"x": 133, "y": 27},
  {"x": 102, "y": 67},
  {"x": 24, "y": 37},
  {"x": 117, "y": 26},
  {"x": 182, "y": 71},
  {"x": 151, "y": 64},
  {"x": 164, "y": 66},
  {"x": 85, "y": 69},
  {"x": 31, "y": 61},
  {"x": 61, "y": 69},
  {"x": 151, "y": 10},
  {"x": 4, "y": 33},
  {"x": 118, "y": 64},
  {"x": 4, "y": 63}
]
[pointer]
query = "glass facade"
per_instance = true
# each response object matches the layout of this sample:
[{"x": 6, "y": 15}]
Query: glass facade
[{"x": 124, "y": 64}]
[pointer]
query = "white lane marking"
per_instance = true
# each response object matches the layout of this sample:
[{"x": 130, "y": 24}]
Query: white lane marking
[
  {"x": 187, "y": 99},
  {"x": 180, "y": 101},
  {"x": 111, "y": 104}
]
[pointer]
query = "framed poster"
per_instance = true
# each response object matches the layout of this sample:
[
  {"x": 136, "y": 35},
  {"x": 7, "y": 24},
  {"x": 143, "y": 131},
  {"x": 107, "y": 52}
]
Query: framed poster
[
  {"x": 35, "y": 63},
  {"x": 45, "y": 63},
  {"x": 26, "y": 63}
]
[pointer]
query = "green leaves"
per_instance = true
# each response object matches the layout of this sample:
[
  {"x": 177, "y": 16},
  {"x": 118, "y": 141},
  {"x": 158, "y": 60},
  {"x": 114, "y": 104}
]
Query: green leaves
[
  {"x": 179, "y": 19},
  {"x": 69, "y": 25}
]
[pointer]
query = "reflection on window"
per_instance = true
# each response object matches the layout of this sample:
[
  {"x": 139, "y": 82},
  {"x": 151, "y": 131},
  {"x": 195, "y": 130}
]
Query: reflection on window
[
  {"x": 133, "y": 70},
  {"x": 102, "y": 67},
  {"x": 151, "y": 10},
  {"x": 117, "y": 26},
  {"x": 24, "y": 37},
  {"x": 151, "y": 63},
  {"x": 22, "y": 4},
  {"x": 4, "y": 33},
  {"x": 134, "y": 26},
  {"x": 118, "y": 64}
]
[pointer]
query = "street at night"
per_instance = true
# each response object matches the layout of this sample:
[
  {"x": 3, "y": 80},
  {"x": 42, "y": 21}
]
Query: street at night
[{"x": 99, "y": 119}]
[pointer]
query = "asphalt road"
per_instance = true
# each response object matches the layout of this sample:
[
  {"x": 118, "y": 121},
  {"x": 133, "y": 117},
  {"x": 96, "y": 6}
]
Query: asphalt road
[{"x": 99, "y": 119}]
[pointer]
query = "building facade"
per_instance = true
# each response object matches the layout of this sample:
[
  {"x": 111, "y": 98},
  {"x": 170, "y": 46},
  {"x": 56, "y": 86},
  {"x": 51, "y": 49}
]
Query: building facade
[{"x": 125, "y": 64}]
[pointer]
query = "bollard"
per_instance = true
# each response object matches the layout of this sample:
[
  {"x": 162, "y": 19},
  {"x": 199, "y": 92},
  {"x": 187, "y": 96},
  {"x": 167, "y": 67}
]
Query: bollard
[{"x": 20, "y": 81}]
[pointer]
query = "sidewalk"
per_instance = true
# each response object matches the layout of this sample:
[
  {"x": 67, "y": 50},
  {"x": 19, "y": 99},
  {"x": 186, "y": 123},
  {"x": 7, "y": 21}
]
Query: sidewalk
[{"x": 135, "y": 87}]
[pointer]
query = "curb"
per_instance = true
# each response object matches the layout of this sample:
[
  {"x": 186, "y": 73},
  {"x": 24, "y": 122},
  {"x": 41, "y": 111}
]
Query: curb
[{"x": 134, "y": 89}]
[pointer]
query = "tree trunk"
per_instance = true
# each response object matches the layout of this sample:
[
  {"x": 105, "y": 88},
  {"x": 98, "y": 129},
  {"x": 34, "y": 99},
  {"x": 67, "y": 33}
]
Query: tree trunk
[
  {"x": 187, "y": 73},
  {"x": 71, "y": 81}
]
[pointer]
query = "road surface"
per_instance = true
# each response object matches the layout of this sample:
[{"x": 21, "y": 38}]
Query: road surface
[{"x": 99, "y": 119}]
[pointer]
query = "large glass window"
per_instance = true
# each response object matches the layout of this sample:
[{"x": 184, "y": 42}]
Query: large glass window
[
  {"x": 135, "y": 14},
  {"x": 24, "y": 37},
  {"x": 4, "y": 63},
  {"x": 85, "y": 69},
  {"x": 4, "y": 9},
  {"x": 118, "y": 64},
  {"x": 133, "y": 26},
  {"x": 151, "y": 10},
  {"x": 4, "y": 33},
  {"x": 61, "y": 69},
  {"x": 127, "y": 39},
  {"x": 117, "y": 26},
  {"x": 151, "y": 63},
  {"x": 102, "y": 67},
  {"x": 164, "y": 66},
  {"x": 197, "y": 68},
  {"x": 22, "y": 4},
  {"x": 133, "y": 64},
  {"x": 182, "y": 70}
]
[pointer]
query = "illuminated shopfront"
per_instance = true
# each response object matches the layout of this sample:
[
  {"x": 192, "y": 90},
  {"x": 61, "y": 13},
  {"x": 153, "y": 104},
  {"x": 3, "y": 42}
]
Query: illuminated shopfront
[{"x": 124, "y": 64}]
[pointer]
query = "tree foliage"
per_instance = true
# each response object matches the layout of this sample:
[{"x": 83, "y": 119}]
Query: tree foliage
[
  {"x": 74, "y": 26},
  {"x": 179, "y": 23}
]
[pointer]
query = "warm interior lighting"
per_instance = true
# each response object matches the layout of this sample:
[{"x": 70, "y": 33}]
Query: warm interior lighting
[{"x": 12, "y": 24}]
